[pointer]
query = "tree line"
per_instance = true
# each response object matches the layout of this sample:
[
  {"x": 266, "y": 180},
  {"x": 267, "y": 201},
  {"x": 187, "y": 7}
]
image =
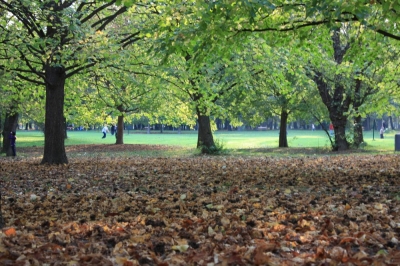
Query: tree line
[{"x": 190, "y": 62}]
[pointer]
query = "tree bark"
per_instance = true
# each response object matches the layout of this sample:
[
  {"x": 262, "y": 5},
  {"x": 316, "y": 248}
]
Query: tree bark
[
  {"x": 283, "y": 143},
  {"x": 10, "y": 125},
  {"x": 358, "y": 137},
  {"x": 334, "y": 96},
  {"x": 120, "y": 130},
  {"x": 205, "y": 139},
  {"x": 54, "y": 149},
  {"x": 339, "y": 122},
  {"x": 358, "y": 131}
]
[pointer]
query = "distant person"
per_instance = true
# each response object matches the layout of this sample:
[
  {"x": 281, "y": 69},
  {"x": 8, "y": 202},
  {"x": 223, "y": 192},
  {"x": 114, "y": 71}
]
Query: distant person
[
  {"x": 331, "y": 129},
  {"x": 13, "y": 138},
  {"x": 113, "y": 129},
  {"x": 104, "y": 130},
  {"x": 312, "y": 127},
  {"x": 382, "y": 131}
]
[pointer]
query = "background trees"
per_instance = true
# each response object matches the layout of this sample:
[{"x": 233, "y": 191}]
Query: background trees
[{"x": 211, "y": 59}]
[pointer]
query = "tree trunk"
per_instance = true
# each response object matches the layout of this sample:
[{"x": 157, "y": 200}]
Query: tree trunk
[
  {"x": 10, "y": 125},
  {"x": 339, "y": 123},
  {"x": 283, "y": 143},
  {"x": 338, "y": 105},
  {"x": 120, "y": 130},
  {"x": 65, "y": 128},
  {"x": 391, "y": 122},
  {"x": 334, "y": 95},
  {"x": 358, "y": 137},
  {"x": 205, "y": 139},
  {"x": 54, "y": 149},
  {"x": 358, "y": 131}
]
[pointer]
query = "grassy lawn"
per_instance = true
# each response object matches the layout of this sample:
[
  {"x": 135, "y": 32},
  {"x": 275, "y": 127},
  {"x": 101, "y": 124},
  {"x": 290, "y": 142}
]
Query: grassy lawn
[{"x": 232, "y": 140}]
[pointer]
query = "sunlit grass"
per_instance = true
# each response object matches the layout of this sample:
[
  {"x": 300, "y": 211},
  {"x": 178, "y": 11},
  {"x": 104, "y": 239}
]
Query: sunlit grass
[{"x": 232, "y": 140}]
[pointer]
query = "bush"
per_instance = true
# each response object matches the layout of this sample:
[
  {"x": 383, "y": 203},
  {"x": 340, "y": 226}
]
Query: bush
[{"x": 217, "y": 149}]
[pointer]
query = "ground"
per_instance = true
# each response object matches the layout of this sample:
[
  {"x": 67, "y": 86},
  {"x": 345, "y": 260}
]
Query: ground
[{"x": 200, "y": 210}]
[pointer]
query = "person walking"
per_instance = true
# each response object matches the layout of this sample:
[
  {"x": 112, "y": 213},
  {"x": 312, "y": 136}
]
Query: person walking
[
  {"x": 13, "y": 138},
  {"x": 104, "y": 130},
  {"x": 312, "y": 127},
  {"x": 382, "y": 131}
]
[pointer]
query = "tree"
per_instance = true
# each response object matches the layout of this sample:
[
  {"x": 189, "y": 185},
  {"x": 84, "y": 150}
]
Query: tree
[
  {"x": 122, "y": 93},
  {"x": 11, "y": 94},
  {"x": 223, "y": 18},
  {"x": 207, "y": 86},
  {"x": 48, "y": 42},
  {"x": 279, "y": 89}
]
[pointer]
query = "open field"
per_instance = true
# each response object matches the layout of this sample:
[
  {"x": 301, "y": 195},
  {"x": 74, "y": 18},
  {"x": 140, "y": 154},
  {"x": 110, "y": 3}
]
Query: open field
[{"x": 236, "y": 142}]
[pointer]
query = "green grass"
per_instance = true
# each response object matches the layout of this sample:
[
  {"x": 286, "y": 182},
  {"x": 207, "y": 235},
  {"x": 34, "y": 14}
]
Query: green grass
[{"x": 233, "y": 140}]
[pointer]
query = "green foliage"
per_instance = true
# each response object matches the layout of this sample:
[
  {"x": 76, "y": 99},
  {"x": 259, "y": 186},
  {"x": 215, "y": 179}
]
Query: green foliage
[
  {"x": 217, "y": 149},
  {"x": 241, "y": 60}
]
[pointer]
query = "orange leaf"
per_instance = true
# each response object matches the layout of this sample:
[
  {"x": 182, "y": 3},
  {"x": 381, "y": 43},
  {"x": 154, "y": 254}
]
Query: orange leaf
[{"x": 10, "y": 232}]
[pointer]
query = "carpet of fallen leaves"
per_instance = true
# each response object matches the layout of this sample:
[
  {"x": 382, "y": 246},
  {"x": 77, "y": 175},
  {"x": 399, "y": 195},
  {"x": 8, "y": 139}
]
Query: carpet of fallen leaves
[{"x": 200, "y": 210}]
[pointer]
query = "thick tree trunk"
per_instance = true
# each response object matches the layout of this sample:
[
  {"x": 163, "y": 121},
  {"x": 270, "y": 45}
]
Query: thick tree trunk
[
  {"x": 283, "y": 143},
  {"x": 10, "y": 125},
  {"x": 54, "y": 149},
  {"x": 358, "y": 131},
  {"x": 334, "y": 95},
  {"x": 339, "y": 122},
  {"x": 205, "y": 139},
  {"x": 120, "y": 130}
]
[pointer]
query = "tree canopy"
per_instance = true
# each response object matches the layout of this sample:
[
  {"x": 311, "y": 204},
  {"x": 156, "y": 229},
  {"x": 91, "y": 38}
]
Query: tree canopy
[{"x": 211, "y": 57}]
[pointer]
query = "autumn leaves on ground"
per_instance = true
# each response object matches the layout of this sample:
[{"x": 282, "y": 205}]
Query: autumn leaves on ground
[{"x": 201, "y": 210}]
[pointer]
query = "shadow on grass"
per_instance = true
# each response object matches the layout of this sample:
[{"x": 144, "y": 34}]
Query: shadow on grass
[
  {"x": 142, "y": 150},
  {"x": 300, "y": 151}
]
